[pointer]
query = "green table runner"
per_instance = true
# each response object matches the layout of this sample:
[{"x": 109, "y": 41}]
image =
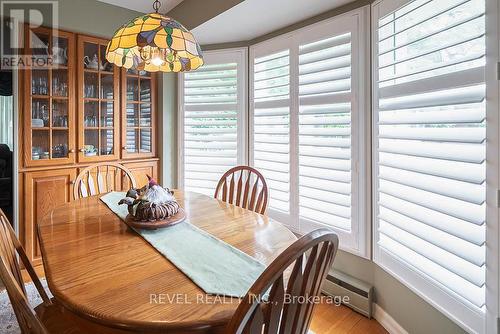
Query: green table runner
[{"x": 215, "y": 266}]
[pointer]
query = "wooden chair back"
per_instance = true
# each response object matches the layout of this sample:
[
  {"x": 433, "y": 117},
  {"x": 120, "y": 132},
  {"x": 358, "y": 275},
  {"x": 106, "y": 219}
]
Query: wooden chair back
[
  {"x": 101, "y": 178},
  {"x": 10, "y": 273},
  {"x": 258, "y": 315},
  {"x": 245, "y": 187}
]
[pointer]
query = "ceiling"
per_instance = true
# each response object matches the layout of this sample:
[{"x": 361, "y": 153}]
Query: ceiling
[
  {"x": 245, "y": 21},
  {"x": 254, "y": 18},
  {"x": 144, "y": 6}
]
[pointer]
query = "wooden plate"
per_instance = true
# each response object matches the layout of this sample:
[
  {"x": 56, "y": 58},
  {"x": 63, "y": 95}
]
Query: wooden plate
[{"x": 179, "y": 217}]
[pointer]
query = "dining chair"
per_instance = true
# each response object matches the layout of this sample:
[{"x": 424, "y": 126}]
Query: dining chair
[
  {"x": 10, "y": 273},
  {"x": 287, "y": 309},
  {"x": 48, "y": 317},
  {"x": 100, "y": 178},
  {"x": 245, "y": 187}
]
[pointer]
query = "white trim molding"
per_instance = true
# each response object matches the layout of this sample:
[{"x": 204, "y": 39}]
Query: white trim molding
[
  {"x": 492, "y": 174},
  {"x": 388, "y": 322}
]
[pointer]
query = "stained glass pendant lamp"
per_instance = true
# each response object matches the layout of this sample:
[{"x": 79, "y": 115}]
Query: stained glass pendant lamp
[{"x": 154, "y": 42}]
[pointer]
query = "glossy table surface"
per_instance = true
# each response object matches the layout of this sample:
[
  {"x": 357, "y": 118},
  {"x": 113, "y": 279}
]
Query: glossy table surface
[{"x": 100, "y": 269}]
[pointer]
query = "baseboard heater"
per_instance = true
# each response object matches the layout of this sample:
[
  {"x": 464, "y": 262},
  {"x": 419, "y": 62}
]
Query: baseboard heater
[{"x": 360, "y": 293}]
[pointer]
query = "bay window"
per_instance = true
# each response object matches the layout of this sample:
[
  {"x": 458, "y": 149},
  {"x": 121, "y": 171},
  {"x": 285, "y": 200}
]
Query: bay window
[{"x": 314, "y": 137}]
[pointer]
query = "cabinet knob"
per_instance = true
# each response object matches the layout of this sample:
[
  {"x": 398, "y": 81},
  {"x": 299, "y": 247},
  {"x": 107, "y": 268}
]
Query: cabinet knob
[
  {"x": 72, "y": 182},
  {"x": 124, "y": 147},
  {"x": 82, "y": 150},
  {"x": 71, "y": 151}
]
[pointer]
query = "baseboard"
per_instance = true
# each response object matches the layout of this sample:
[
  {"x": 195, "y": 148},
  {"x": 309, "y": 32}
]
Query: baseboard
[{"x": 387, "y": 321}]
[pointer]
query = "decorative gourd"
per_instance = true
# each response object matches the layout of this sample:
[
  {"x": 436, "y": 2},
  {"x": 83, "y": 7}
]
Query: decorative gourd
[{"x": 151, "y": 202}]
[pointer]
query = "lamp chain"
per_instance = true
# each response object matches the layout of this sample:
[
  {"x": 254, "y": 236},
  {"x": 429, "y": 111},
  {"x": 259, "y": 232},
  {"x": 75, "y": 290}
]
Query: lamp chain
[{"x": 156, "y": 5}]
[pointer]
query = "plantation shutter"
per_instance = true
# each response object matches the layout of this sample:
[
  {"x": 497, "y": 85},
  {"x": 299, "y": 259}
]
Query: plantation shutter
[
  {"x": 325, "y": 131},
  {"x": 271, "y": 125},
  {"x": 308, "y": 126},
  {"x": 213, "y": 120},
  {"x": 431, "y": 146}
]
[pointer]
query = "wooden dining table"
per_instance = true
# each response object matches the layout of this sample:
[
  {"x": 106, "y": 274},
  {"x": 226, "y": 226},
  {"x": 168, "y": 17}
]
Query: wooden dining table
[{"x": 101, "y": 270}]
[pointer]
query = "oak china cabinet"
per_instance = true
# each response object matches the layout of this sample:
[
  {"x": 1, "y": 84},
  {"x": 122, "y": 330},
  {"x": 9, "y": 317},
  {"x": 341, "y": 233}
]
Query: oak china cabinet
[{"x": 76, "y": 112}]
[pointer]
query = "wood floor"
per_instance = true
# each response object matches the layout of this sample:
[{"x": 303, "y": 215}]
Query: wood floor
[
  {"x": 330, "y": 319},
  {"x": 327, "y": 319}
]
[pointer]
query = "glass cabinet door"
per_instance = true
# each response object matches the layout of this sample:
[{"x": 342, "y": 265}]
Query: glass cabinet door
[
  {"x": 139, "y": 114},
  {"x": 98, "y": 89},
  {"x": 49, "y": 126}
]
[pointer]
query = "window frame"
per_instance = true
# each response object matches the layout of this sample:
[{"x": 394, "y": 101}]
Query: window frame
[
  {"x": 468, "y": 318},
  {"x": 492, "y": 15},
  {"x": 356, "y": 21},
  {"x": 240, "y": 56}
]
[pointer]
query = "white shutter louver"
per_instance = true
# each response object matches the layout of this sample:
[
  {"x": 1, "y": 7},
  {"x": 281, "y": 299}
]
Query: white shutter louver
[
  {"x": 431, "y": 138},
  {"x": 325, "y": 131},
  {"x": 271, "y": 125},
  {"x": 308, "y": 112},
  {"x": 211, "y": 118}
]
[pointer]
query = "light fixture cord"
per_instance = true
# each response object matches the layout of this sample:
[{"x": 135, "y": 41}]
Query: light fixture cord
[{"x": 156, "y": 5}]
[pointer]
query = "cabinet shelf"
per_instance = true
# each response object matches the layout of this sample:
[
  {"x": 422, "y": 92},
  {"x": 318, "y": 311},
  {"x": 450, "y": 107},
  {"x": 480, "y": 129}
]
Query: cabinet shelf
[
  {"x": 96, "y": 99},
  {"x": 89, "y": 70},
  {"x": 98, "y": 128},
  {"x": 144, "y": 127},
  {"x": 143, "y": 77},
  {"x": 58, "y": 128},
  {"x": 48, "y": 67}
]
